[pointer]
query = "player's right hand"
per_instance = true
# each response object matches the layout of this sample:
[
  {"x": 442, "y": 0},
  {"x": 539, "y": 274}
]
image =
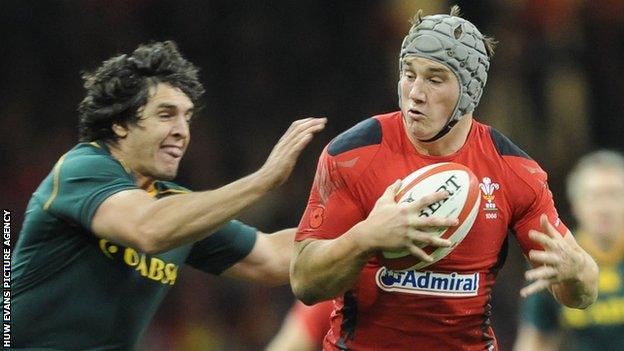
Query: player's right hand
[
  {"x": 398, "y": 226},
  {"x": 283, "y": 157}
]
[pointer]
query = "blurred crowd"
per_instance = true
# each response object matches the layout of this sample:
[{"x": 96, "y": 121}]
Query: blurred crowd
[{"x": 555, "y": 88}]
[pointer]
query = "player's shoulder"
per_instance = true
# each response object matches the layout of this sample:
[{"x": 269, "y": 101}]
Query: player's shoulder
[
  {"x": 366, "y": 133},
  {"x": 520, "y": 165},
  {"x": 90, "y": 156},
  {"x": 351, "y": 153},
  {"x": 90, "y": 159},
  {"x": 503, "y": 145}
]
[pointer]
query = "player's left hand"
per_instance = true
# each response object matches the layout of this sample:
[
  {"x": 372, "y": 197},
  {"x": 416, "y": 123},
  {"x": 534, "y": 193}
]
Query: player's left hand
[
  {"x": 282, "y": 159},
  {"x": 560, "y": 261}
]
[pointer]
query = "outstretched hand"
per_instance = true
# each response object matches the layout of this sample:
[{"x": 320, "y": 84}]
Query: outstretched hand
[
  {"x": 283, "y": 157},
  {"x": 559, "y": 261}
]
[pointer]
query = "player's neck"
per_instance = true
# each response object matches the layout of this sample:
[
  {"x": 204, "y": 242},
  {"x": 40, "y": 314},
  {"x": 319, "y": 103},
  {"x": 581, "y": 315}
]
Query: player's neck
[
  {"x": 117, "y": 151},
  {"x": 448, "y": 144}
]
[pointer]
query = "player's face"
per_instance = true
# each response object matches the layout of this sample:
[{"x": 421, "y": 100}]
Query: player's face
[
  {"x": 429, "y": 92},
  {"x": 599, "y": 206},
  {"x": 155, "y": 145}
]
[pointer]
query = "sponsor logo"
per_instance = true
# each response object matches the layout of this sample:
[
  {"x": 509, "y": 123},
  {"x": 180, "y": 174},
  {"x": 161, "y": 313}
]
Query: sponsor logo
[
  {"x": 450, "y": 185},
  {"x": 428, "y": 283},
  {"x": 487, "y": 191},
  {"x": 147, "y": 266}
]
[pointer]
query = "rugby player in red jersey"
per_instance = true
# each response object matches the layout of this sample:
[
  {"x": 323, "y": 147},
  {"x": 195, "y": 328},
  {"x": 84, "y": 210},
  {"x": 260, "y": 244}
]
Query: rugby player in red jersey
[{"x": 352, "y": 215}]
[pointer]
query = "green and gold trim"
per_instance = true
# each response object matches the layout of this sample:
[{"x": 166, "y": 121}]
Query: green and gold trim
[{"x": 55, "y": 186}]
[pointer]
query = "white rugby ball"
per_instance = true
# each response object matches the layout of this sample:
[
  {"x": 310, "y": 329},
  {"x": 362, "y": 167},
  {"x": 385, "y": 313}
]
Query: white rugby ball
[{"x": 462, "y": 203}]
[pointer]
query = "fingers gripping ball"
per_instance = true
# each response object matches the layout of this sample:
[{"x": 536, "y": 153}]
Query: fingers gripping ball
[{"x": 462, "y": 204}]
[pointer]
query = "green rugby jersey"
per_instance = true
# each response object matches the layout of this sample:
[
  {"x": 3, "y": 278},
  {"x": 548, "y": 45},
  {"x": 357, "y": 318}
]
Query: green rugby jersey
[
  {"x": 598, "y": 327},
  {"x": 74, "y": 291}
]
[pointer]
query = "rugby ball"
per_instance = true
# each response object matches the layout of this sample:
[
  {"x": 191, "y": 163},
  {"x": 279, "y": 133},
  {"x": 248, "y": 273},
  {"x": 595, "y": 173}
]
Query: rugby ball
[{"x": 462, "y": 203}]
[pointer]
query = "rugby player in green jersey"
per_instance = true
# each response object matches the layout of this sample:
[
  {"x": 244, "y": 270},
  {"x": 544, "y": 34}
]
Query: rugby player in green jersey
[
  {"x": 106, "y": 233},
  {"x": 596, "y": 193}
]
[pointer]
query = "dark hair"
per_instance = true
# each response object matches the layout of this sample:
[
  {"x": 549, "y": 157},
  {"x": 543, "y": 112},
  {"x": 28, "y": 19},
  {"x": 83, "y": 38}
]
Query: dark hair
[{"x": 120, "y": 86}]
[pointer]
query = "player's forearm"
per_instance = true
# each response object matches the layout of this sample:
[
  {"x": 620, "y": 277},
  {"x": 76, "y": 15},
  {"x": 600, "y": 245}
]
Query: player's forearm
[
  {"x": 268, "y": 261},
  {"x": 324, "y": 269},
  {"x": 581, "y": 291},
  {"x": 186, "y": 218},
  {"x": 271, "y": 262},
  {"x": 280, "y": 255}
]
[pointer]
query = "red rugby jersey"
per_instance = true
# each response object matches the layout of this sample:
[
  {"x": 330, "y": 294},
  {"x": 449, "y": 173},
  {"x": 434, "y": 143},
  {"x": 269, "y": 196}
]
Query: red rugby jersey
[
  {"x": 313, "y": 319},
  {"x": 446, "y": 305}
]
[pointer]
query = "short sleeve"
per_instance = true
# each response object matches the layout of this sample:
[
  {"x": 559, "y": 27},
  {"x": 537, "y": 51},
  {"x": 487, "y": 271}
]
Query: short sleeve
[
  {"x": 331, "y": 209},
  {"x": 82, "y": 183},
  {"x": 222, "y": 249},
  {"x": 541, "y": 311},
  {"x": 535, "y": 199}
]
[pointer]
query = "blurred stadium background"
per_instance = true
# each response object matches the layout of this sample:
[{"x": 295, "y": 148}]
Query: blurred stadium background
[{"x": 556, "y": 88}]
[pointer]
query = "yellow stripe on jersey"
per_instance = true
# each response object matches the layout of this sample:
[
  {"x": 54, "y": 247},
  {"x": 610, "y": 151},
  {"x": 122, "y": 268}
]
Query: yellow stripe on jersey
[
  {"x": 174, "y": 191},
  {"x": 55, "y": 186},
  {"x": 154, "y": 192},
  {"x": 151, "y": 190}
]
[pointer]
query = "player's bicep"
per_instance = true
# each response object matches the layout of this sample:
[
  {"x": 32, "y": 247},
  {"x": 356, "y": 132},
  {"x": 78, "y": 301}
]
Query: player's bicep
[
  {"x": 117, "y": 218},
  {"x": 322, "y": 222}
]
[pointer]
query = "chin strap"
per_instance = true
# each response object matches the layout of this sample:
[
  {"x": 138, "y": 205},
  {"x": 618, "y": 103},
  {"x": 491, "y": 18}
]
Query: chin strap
[{"x": 447, "y": 128}]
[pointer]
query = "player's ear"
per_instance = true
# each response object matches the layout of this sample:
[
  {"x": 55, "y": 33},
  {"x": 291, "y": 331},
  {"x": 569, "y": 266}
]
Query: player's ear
[{"x": 120, "y": 130}]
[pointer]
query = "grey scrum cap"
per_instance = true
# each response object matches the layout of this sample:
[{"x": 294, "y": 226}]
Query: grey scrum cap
[{"x": 457, "y": 44}]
